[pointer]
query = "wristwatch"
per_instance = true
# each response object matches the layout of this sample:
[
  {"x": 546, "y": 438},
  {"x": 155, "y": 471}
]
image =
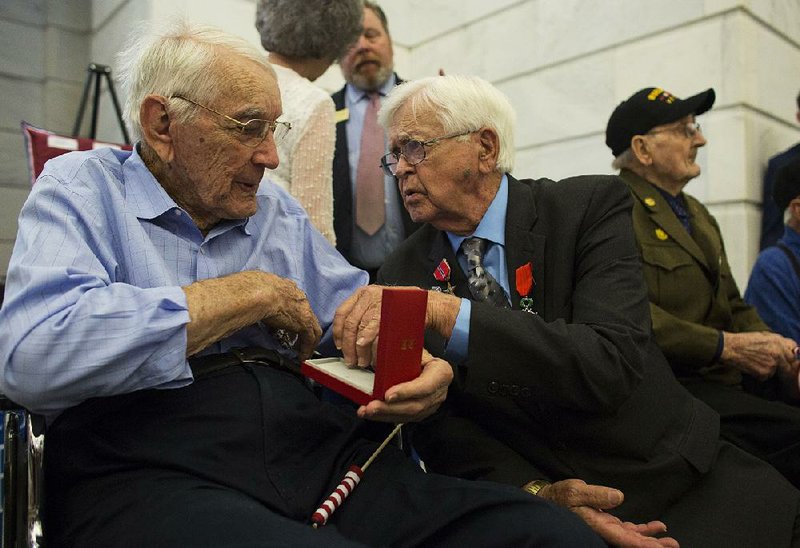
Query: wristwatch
[{"x": 533, "y": 487}]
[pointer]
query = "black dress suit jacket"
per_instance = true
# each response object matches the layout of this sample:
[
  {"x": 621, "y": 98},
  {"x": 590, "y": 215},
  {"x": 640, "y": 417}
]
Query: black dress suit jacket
[
  {"x": 342, "y": 186},
  {"x": 578, "y": 389}
]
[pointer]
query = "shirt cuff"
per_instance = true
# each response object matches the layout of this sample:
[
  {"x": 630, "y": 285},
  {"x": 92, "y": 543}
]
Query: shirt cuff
[
  {"x": 458, "y": 345},
  {"x": 720, "y": 346}
]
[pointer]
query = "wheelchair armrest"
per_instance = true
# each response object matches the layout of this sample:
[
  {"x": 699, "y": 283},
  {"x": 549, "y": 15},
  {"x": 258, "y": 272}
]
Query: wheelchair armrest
[{"x": 22, "y": 476}]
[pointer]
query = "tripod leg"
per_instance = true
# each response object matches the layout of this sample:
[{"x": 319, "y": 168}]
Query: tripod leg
[
  {"x": 116, "y": 108},
  {"x": 95, "y": 105},
  {"x": 82, "y": 109}
]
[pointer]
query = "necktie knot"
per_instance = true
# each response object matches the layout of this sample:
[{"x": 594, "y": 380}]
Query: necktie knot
[{"x": 474, "y": 249}]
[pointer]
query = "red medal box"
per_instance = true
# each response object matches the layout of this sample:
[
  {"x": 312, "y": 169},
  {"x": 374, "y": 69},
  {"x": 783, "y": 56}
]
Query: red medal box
[{"x": 400, "y": 340}]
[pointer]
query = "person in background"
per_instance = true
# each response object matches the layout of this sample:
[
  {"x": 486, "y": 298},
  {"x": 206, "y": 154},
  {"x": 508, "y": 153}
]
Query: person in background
[
  {"x": 771, "y": 215},
  {"x": 153, "y": 302},
  {"x": 542, "y": 312},
  {"x": 303, "y": 39},
  {"x": 717, "y": 345},
  {"x": 369, "y": 217},
  {"x": 774, "y": 285}
]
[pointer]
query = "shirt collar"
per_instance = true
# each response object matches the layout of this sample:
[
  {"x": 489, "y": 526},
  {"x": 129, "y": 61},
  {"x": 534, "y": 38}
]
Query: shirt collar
[
  {"x": 148, "y": 200},
  {"x": 671, "y": 200},
  {"x": 146, "y": 197},
  {"x": 354, "y": 94},
  {"x": 492, "y": 226}
]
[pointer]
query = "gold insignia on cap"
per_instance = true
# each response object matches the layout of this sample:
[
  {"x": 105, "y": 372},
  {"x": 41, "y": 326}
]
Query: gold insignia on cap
[
  {"x": 661, "y": 235},
  {"x": 653, "y": 95},
  {"x": 649, "y": 202}
]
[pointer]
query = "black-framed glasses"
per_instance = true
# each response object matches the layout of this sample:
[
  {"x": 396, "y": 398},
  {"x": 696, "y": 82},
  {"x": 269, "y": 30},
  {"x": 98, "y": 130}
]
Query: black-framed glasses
[
  {"x": 252, "y": 132},
  {"x": 690, "y": 129},
  {"x": 413, "y": 151}
]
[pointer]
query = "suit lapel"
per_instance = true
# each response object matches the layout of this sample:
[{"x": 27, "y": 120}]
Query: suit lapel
[
  {"x": 662, "y": 216},
  {"x": 441, "y": 249},
  {"x": 523, "y": 245},
  {"x": 706, "y": 238}
]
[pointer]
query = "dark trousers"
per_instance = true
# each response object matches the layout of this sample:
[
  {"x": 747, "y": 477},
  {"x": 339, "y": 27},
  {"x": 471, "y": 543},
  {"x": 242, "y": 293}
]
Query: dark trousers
[
  {"x": 764, "y": 427},
  {"x": 742, "y": 502},
  {"x": 243, "y": 457}
]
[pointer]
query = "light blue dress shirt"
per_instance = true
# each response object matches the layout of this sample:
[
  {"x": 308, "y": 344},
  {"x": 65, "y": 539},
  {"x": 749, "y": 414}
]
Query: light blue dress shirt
[
  {"x": 370, "y": 251},
  {"x": 492, "y": 228},
  {"x": 94, "y": 305}
]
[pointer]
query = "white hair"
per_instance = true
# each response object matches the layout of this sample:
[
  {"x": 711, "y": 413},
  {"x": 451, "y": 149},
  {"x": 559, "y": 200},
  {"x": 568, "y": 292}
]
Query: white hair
[
  {"x": 177, "y": 61},
  {"x": 624, "y": 160},
  {"x": 459, "y": 103}
]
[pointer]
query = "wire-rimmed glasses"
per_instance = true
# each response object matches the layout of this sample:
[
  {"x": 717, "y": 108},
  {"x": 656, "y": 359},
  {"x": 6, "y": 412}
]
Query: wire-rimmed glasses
[
  {"x": 252, "y": 132},
  {"x": 413, "y": 151},
  {"x": 690, "y": 129}
]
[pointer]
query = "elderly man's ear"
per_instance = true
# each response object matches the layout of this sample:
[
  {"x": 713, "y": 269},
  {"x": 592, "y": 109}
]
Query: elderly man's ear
[
  {"x": 641, "y": 149},
  {"x": 489, "y": 149},
  {"x": 156, "y": 126}
]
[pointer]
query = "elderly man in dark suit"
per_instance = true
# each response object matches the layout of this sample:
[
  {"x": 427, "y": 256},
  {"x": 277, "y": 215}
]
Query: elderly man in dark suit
[
  {"x": 368, "y": 215},
  {"x": 543, "y": 313},
  {"x": 717, "y": 345}
]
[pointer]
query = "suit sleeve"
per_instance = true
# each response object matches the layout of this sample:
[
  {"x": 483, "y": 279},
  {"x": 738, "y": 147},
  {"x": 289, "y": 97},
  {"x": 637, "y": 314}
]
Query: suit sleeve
[
  {"x": 588, "y": 354},
  {"x": 690, "y": 343},
  {"x": 472, "y": 453}
]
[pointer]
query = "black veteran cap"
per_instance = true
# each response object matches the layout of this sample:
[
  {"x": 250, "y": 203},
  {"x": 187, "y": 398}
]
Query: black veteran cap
[
  {"x": 787, "y": 184},
  {"x": 648, "y": 108}
]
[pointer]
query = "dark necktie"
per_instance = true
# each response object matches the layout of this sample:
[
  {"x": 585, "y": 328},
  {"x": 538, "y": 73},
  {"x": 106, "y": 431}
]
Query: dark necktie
[
  {"x": 370, "y": 207},
  {"x": 678, "y": 207},
  {"x": 482, "y": 285}
]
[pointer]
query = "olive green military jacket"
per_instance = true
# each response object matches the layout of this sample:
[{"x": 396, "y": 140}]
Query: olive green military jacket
[{"x": 693, "y": 295}]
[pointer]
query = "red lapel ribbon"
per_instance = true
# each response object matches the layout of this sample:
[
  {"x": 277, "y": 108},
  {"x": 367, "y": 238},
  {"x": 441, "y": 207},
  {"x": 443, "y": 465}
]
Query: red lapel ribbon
[
  {"x": 442, "y": 272},
  {"x": 524, "y": 279}
]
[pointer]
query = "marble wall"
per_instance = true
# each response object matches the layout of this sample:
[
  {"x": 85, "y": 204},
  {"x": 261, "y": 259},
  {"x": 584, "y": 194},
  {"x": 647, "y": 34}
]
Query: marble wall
[
  {"x": 44, "y": 51},
  {"x": 564, "y": 64}
]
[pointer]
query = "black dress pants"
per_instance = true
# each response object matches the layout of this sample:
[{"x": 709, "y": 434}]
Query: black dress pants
[
  {"x": 243, "y": 457},
  {"x": 766, "y": 428}
]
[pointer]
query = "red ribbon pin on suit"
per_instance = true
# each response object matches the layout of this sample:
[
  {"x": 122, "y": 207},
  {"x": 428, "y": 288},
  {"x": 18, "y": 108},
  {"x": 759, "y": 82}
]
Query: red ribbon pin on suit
[{"x": 525, "y": 283}]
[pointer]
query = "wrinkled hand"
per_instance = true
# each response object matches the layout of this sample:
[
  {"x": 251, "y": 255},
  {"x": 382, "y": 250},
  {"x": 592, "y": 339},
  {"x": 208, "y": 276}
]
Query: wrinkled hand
[
  {"x": 356, "y": 324},
  {"x": 759, "y": 354},
  {"x": 219, "y": 307},
  {"x": 414, "y": 400},
  {"x": 288, "y": 309},
  {"x": 590, "y": 501}
]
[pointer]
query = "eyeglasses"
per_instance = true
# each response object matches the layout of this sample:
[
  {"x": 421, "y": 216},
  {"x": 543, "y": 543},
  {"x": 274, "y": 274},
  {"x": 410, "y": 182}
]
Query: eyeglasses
[
  {"x": 690, "y": 129},
  {"x": 252, "y": 132},
  {"x": 413, "y": 151}
]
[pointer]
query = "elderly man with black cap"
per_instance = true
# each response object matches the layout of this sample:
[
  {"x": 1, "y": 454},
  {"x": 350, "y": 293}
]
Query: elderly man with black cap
[
  {"x": 774, "y": 286},
  {"x": 717, "y": 345}
]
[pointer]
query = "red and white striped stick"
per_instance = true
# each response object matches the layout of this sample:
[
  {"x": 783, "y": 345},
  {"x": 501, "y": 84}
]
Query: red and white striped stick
[{"x": 347, "y": 485}]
